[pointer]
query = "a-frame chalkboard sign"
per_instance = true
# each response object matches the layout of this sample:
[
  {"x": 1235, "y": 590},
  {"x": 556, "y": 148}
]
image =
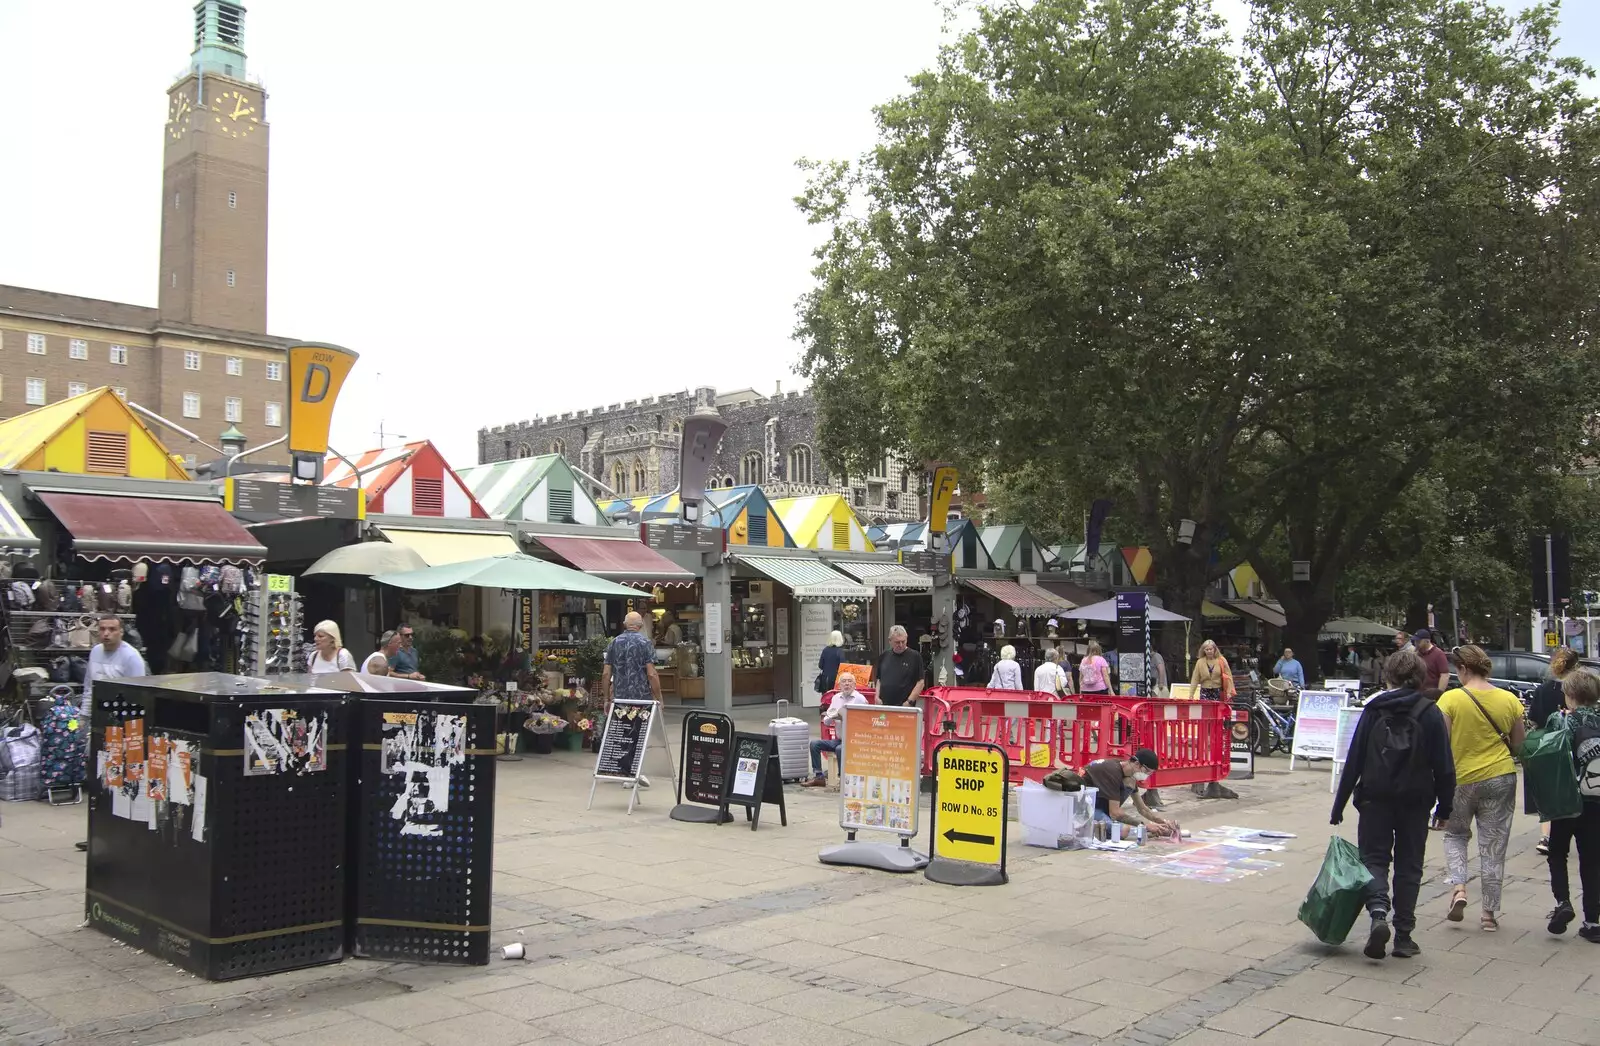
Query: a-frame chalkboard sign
[{"x": 755, "y": 777}]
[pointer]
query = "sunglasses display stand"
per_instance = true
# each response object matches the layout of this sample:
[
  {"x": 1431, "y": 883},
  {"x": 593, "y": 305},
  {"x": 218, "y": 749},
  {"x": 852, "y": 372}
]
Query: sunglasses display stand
[{"x": 270, "y": 628}]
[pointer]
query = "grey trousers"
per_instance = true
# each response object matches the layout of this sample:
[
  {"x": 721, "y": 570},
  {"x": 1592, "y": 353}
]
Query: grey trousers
[{"x": 1492, "y": 803}]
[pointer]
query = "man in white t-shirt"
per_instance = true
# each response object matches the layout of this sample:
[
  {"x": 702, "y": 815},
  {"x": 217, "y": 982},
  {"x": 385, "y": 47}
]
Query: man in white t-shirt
[
  {"x": 1049, "y": 678},
  {"x": 377, "y": 663},
  {"x": 847, "y": 694},
  {"x": 111, "y": 658}
]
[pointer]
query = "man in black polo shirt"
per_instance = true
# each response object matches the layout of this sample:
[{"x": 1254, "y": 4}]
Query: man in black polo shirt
[{"x": 900, "y": 671}]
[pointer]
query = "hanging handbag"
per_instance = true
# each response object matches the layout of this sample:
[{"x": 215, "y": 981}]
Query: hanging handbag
[{"x": 81, "y": 635}]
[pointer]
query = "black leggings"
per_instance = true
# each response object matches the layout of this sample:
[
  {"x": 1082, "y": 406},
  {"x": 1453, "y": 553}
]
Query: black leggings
[{"x": 1585, "y": 828}]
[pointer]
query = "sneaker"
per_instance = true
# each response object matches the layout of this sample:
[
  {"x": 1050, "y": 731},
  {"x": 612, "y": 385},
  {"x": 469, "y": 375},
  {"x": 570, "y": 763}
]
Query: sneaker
[
  {"x": 644, "y": 782},
  {"x": 1561, "y": 917},
  {"x": 1404, "y": 947},
  {"x": 1590, "y": 932},
  {"x": 1378, "y": 938},
  {"x": 82, "y": 846}
]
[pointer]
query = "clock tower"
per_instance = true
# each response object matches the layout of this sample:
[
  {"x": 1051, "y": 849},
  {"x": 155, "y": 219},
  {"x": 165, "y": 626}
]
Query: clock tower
[{"x": 214, "y": 184}]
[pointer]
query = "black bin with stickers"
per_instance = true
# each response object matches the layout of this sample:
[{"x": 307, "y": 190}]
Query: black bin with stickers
[
  {"x": 422, "y": 827},
  {"x": 219, "y": 813}
]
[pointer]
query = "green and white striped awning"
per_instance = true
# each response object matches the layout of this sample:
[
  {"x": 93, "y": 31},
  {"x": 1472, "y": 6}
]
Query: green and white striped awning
[
  {"x": 14, "y": 533},
  {"x": 887, "y": 575},
  {"x": 807, "y": 578}
]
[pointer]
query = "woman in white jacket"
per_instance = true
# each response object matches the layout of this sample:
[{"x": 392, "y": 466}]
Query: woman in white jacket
[{"x": 1007, "y": 674}]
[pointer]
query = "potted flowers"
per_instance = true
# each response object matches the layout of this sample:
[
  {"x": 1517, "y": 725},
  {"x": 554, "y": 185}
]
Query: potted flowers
[{"x": 542, "y": 728}]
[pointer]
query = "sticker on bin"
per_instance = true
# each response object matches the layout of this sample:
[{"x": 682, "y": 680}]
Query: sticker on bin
[{"x": 282, "y": 741}]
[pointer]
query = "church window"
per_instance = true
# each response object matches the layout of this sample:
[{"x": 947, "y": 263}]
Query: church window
[
  {"x": 750, "y": 468},
  {"x": 800, "y": 464}
]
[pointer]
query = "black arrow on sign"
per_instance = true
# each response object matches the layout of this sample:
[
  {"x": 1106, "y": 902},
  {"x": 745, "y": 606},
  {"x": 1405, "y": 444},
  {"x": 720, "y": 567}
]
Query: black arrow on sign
[{"x": 966, "y": 837}]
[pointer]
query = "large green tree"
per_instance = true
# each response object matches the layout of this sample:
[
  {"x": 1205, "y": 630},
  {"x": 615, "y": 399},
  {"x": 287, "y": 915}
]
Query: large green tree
[{"x": 1093, "y": 251}]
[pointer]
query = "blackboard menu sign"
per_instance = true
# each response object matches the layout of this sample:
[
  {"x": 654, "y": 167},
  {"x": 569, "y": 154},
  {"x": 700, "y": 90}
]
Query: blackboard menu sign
[
  {"x": 754, "y": 777},
  {"x": 623, "y": 742},
  {"x": 707, "y": 740}
]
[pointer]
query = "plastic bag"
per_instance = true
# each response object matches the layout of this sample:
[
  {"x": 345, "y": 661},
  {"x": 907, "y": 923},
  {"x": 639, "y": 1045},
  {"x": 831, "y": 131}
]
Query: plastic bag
[
  {"x": 1339, "y": 894},
  {"x": 1549, "y": 774}
]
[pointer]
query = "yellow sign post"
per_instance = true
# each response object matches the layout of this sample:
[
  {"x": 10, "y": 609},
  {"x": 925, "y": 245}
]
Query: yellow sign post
[
  {"x": 316, "y": 374},
  {"x": 970, "y": 794}
]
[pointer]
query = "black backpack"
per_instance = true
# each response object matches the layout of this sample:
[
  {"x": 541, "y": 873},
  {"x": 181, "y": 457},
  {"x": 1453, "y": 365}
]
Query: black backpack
[{"x": 1398, "y": 766}]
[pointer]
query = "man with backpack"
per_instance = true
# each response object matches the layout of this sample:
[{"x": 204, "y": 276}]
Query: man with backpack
[{"x": 1399, "y": 769}]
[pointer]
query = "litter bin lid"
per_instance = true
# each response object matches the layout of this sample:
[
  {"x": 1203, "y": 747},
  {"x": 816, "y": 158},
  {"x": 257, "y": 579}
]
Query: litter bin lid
[{"x": 203, "y": 685}]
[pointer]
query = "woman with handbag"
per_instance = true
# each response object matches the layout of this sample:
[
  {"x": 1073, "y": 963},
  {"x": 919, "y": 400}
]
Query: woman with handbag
[
  {"x": 330, "y": 654},
  {"x": 1486, "y": 727},
  {"x": 1545, "y": 702},
  {"x": 1211, "y": 678},
  {"x": 828, "y": 663}
]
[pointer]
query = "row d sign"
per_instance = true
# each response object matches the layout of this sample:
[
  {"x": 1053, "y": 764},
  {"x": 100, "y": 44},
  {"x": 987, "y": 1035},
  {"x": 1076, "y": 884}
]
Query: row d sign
[{"x": 970, "y": 793}]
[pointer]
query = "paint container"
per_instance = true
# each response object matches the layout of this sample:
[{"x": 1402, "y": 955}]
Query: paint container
[{"x": 513, "y": 951}]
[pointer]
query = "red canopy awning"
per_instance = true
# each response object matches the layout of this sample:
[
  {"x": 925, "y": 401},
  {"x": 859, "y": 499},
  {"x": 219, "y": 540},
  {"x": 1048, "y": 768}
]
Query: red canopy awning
[
  {"x": 1023, "y": 601},
  {"x": 618, "y": 559},
  {"x": 108, "y": 526}
]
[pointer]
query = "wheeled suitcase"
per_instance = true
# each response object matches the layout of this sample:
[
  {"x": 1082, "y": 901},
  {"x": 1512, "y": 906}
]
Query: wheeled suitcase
[
  {"x": 794, "y": 744},
  {"x": 65, "y": 730}
]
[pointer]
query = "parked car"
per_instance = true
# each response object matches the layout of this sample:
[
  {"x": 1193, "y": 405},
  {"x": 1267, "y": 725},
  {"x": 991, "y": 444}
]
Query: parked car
[{"x": 1520, "y": 671}]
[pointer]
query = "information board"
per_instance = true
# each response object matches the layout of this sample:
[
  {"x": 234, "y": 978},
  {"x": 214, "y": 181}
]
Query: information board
[
  {"x": 1316, "y": 723},
  {"x": 754, "y": 777},
  {"x": 1344, "y": 733},
  {"x": 880, "y": 768},
  {"x": 707, "y": 737},
  {"x": 622, "y": 744},
  {"x": 1133, "y": 644},
  {"x": 816, "y": 622}
]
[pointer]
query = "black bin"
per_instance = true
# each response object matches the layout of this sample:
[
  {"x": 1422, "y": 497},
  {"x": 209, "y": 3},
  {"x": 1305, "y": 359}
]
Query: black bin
[
  {"x": 248, "y": 876},
  {"x": 422, "y": 830}
]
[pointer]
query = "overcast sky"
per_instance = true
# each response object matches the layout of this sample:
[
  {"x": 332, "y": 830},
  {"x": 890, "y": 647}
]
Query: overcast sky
[{"x": 508, "y": 208}]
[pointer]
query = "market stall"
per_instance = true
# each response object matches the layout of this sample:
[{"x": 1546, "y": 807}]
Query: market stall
[{"x": 768, "y": 592}]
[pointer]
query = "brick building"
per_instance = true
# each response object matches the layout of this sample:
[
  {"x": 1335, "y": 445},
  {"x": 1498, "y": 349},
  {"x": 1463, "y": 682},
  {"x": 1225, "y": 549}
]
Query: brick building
[
  {"x": 632, "y": 448},
  {"x": 201, "y": 357}
]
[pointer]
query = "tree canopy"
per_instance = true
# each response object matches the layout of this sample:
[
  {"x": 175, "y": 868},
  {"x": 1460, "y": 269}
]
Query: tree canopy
[{"x": 1100, "y": 250}]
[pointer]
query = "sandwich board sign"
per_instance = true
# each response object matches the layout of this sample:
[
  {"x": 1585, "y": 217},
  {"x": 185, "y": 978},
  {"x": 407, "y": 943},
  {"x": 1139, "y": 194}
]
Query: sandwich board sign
[
  {"x": 629, "y": 725},
  {"x": 754, "y": 776},
  {"x": 970, "y": 795}
]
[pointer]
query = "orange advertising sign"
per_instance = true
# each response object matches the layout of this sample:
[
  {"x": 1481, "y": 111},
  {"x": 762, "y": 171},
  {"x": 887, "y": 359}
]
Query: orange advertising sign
[
  {"x": 861, "y": 673},
  {"x": 113, "y": 773},
  {"x": 156, "y": 768},
  {"x": 880, "y": 767}
]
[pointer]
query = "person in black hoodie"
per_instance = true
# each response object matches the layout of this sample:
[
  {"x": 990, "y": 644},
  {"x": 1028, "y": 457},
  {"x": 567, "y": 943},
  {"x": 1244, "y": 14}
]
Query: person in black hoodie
[{"x": 1399, "y": 767}]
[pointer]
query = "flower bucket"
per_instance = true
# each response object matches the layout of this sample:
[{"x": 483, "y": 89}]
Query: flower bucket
[{"x": 569, "y": 741}]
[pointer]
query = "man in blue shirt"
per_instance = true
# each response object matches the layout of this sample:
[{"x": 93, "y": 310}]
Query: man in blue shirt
[
  {"x": 404, "y": 662},
  {"x": 1288, "y": 668},
  {"x": 630, "y": 672}
]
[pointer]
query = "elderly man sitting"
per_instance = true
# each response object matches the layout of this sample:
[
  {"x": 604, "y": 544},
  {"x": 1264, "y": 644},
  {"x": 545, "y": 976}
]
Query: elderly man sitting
[{"x": 845, "y": 695}]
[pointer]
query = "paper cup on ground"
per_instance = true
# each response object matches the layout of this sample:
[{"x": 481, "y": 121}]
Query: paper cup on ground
[{"x": 513, "y": 951}]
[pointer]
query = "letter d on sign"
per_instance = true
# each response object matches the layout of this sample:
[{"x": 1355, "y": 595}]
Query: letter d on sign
[{"x": 316, "y": 374}]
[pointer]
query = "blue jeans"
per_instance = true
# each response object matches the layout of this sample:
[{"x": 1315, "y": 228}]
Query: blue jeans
[{"x": 819, "y": 746}]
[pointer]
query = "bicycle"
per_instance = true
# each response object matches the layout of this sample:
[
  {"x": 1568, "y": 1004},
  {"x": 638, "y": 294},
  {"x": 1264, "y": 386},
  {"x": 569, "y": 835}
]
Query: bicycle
[{"x": 1271, "y": 729}]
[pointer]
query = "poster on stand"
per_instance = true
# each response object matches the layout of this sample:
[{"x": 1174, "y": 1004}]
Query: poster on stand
[
  {"x": 816, "y": 622},
  {"x": 1316, "y": 723},
  {"x": 880, "y": 768},
  {"x": 1133, "y": 644}
]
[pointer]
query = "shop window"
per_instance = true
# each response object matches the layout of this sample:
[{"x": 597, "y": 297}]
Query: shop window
[
  {"x": 427, "y": 496},
  {"x": 107, "y": 453}
]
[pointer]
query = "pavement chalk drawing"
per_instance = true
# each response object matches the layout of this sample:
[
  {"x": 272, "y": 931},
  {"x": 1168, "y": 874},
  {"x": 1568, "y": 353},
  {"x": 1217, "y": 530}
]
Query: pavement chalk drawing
[
  {"x": 422, "y": 749},
  {"x": 282, "y": 741},
  {"x": 1220, "y": 855}
]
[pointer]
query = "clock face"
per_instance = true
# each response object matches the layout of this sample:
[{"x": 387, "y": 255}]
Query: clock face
[
  {"x": 234, "y": 114},
  {"x": 178, "y": 113}
]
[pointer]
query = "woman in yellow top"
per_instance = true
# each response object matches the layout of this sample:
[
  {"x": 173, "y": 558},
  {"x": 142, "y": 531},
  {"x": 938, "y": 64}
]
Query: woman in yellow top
[
  {"x": 1211, "y": 676},
  {"x": 1485, "y": 728}
]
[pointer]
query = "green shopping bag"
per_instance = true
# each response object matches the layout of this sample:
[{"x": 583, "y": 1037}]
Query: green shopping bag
[
  {"x": 1339, "y": 894},
  {"x": 1549, "y": 773}
]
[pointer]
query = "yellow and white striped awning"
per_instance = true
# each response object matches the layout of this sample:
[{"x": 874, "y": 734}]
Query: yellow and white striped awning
[{"x": 14, "y": 533}]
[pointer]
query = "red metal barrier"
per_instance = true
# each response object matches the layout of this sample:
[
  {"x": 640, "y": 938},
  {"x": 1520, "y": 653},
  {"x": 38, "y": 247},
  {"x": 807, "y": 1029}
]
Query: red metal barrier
[{"x": 1041, "y": 732}]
